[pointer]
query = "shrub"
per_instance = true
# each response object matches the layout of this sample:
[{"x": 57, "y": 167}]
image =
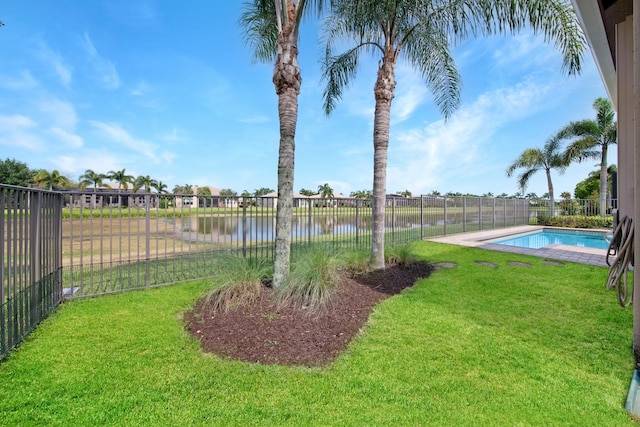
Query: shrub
[
  {"x": 399, "y": 255},
  {"x": 239, "y": 281},
  {"x": 580, "y": 221},
  {"x": 542, "y": 218},
  {"x": 355, "y": 261},
  {"x": 312, "y": 280}
]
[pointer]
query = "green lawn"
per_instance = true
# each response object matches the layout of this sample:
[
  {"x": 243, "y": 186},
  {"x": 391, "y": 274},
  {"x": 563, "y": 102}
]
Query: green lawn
[{"x": 471, "y": 345}]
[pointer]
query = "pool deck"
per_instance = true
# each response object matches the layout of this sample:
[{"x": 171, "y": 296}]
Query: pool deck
[{"x": 479, "y": 239}]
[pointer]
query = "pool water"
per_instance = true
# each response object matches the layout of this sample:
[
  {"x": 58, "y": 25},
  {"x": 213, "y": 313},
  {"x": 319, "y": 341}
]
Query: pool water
[{"x": 552, "y": 237}]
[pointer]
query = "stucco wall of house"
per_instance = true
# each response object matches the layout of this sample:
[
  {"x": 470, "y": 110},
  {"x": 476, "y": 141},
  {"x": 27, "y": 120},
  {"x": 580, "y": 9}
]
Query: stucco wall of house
[{"x": 625, "y": 117}]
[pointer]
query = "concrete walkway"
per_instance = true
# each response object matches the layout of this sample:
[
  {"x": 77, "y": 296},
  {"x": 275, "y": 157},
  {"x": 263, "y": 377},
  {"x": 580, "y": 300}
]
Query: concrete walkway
[{"x": 479, "y": 239}]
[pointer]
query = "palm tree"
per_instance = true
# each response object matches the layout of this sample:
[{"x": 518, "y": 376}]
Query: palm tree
[
  {"x": 306, "y": 192},
  {"x": 145, "y": 182},
  {"x": 533, "y": 160},
  {"x": 204, "y": 191},
  {"x": 89, "y": 177},
  {"x": 325, "y": 191},
  {"x": 362, "y": 194},
  {"x": 160, "y": 187},
  {"x": 262, "y": 191},
  {"x": 420, "y": 32},
  {"x": 121, "y": 178},
  {"x": 271, "y": 28},
  {"x": 593, "y": 138},
  {"x": 51, "y": 180}
]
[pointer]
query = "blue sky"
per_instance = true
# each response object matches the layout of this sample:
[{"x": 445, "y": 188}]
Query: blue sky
[{"x": 169, "y": 89}]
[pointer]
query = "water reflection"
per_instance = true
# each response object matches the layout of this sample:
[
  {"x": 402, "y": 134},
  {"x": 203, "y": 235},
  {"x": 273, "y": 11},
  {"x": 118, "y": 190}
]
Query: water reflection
[{"x": 259, "y": 228}]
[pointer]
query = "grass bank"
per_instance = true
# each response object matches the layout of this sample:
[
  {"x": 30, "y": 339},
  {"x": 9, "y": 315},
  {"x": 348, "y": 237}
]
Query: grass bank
[{"x": 470, "y": 345}]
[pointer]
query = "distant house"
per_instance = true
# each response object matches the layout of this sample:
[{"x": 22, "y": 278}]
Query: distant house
[
  {"x": 206, "y": 201},
  {"x": 93, "y": 198},
  {"x": 270, "y": 200},
  {"x": 337, "y": 200}
]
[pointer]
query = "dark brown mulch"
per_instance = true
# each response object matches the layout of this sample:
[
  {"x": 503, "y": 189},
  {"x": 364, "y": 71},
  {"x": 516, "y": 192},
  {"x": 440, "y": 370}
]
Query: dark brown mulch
[{"x": 263, "y": 332}]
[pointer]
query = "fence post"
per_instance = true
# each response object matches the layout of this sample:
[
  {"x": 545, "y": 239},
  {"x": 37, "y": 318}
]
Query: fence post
[
  {"x": 357, "y": 228},
  {"x": 464, "y": 213},
  {"x": 480, "y": 214},
  {"x": 444, "y": 222},
  {"x": 393, "y": 221},
  {"x": 34, "y": 245},
  {"x": 309, "y": 223},
  {"x": 421, "y": 217},
  {"x": 244, "y": 229},
  {"x": 147, "y": 243},
  {"x": 493, "y": 213}
]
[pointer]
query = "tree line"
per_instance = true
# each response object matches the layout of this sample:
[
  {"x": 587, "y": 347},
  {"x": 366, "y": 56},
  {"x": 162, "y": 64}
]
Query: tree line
[{"x": 18, "y": 173}]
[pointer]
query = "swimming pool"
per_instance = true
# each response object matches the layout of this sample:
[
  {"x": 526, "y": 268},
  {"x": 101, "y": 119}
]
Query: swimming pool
[{"x": 546, "y": 237}]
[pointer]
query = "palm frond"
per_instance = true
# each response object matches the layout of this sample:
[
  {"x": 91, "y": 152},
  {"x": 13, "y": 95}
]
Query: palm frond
[
  {"x": 338, "y": 72},
  {"x": 429, "y": 52},
  {"x": 260, "y": 25},
  {"x": 554, "y": 19},
  {"x": 523, "y": 180}
]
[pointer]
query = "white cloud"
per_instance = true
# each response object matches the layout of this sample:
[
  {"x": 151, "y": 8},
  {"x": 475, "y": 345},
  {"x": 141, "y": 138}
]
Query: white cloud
[
  {"x": 99, "y": 161},
  {"x": 117, "y": 134},
  {"x": 66, "y": 138},
  {"x": 24, "y": 82},
  {"x": 20, "y": 131},
  {"x": 60, "y": 113},
  {"x": 55, "y": 60},
  {"x": 107, "y": 73},
  {"x": 523, "y": 50},
  {"x": 445, "y": 152},
  {"x": 411, "y": 92}
]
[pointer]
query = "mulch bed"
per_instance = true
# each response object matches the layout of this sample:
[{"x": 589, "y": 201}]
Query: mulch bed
[{"x": 264, "y": 332}]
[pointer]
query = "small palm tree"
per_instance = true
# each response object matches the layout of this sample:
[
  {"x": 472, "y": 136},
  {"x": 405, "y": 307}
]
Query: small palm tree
[
  {"x": 592, "y": 139},
  {"x": 325, "y": 191},
  {"x": 145, "y": 182},
  {"x": 362, "y": 194},
  {"x": 306, "y": 192},
  {"x": 121, "y": 178},
  {"x": 51, "y": 180},
  {"x": 91, "y": 178},
  {"x": 533, "y": 160},
  {"x": 421, "y": 32},
  {"x": 160, "y": 187}
]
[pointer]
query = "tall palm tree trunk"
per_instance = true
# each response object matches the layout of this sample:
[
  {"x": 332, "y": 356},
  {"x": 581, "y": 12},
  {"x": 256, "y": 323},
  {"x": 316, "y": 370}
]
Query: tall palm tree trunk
[
  {"x": 604, "y": 175},
  {"x": 552, "y": 199},
  {"x": 384, "y": 92},
  {"x": 287, "y": 80}
]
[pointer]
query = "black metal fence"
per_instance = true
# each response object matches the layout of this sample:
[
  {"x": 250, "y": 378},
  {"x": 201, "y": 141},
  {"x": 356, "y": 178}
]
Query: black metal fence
[
  {"x": 65, "y": 245},
  {"x": 118, "y": 241},
  {"x": 31, "y": 269}
]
